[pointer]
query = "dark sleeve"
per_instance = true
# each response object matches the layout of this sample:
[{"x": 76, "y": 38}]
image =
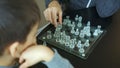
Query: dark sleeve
[
  {"x": 58, "y": 62},
  {"x": 107, "y": 8}
]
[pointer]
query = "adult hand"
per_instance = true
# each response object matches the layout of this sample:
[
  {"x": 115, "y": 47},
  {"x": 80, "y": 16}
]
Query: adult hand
[
  {"x": 34, "y": 55},
  {"x": 54, "y": 13}
]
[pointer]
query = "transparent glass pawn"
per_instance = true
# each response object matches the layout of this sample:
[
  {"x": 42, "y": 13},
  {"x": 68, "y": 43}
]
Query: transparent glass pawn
[
  {"x": 63, "y": 37},
  {"x": 77, "y": 32},
  {"x": 73, "y": 42},
  {"x": 44, "y": 42},
  {"x": 87, "y": 29},
  {"x": 80, "y": 18},
  {"x": 61, "y": 40},
  {"x": 88, "y": 23},
  {"x": 59, "y": 26},
  {"x": 57, "y": 35},
  {"x": 68, "y": 21},
  {"x": 87, "y": 43},
  {"x": 99, "y": 29},
  {"x": 73, "y": 24},
  {"x": 82, "y": 34},
  {"x": 95, "y": 34},
  {"x": 67, "y": 17},
  {"x": 76, "y": 18},
  {"x": 49, "y": 35},
  {"x": 72, "y": 45},
  {"x": 64, "y": 21},
  {"x": 79, "y": 44},
  {"x": 83, "y": 55},
  {"x": 67, "y": 40},
  {"x": 81, "y": 50},
  {"x": 79, "y": 22},
  {"x": 72, "y": 30}
]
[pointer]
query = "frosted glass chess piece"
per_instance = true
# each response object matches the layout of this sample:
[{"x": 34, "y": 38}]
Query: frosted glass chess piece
[
  {"x": 49, "y": 35},
  {"x": 59, "y": 26},
  {"x": 95, "y": 33},
  {"x": 76, "y": 18},
  {"x": 73, "y": 42},
  {"x": 88, "y": 23},
  {"x": 81, "y": 50},
  {"x": 64, "y": 21},
  {"x": 87, "y": 44},
  {"x": 79, "y": 44},
  {"x": 67, "y": 17},
  {"x": 77, "y": 32},
  {"x": 80, "y": 18},
  {"x": 99, "y": 29},
  {"x": 68, "y": 20},
  {"x": 82, "y": 34},
  {"x": 57, "y": 34},
  {"x": 69, "y": 23},
  {"x": 67, "y": 40},
  {"x": 79, "y": 22},
  {"x": 87, "y": 29},
  {"x": 73, "y": 24},
  {"x": 44, "y": 42},
  {"x": 72, "y": 45},
  {"x": 61, "y": 38},
  {"x": 72, "y": 30},
  {"x": 83, "y": 55}
]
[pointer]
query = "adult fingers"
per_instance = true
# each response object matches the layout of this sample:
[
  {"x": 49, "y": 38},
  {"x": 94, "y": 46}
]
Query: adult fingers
[
  {"x": 54, "y": 16},
  {"x": 47, "y": 14},
  {"x": 60, "y": 17}
]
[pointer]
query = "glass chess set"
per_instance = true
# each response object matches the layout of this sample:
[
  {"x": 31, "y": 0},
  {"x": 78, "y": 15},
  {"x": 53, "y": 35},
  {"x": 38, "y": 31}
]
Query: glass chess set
[{"x": 74, "y": 37}]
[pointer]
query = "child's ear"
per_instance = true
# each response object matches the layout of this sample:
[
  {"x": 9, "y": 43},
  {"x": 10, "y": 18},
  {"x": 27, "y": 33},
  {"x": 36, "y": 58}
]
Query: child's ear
[{"x": 13, "y": 49}]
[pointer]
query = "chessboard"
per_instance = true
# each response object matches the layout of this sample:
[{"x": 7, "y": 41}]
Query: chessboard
[{"x": 74, "y": 36}]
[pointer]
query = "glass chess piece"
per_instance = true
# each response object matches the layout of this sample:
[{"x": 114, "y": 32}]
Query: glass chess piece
[
  {"x": 77, "y": 32},
  {"x": 81, "y": 50},
  {"x": 87, "y": 44},
  {"x": 76, "y": 18},
  {"x": 79, "y": 44},
  {"x": 99, "y": 29},
  {"x": 95, "y": 33},
  {"x": 49, "y": 35},
  {"x": 79, "y": 22},
  {"x": 88, "y": 23},
  {"x": 83, "y": 55},
  {"x": 82, "y": 34},
  {"x": 72, "y": 30},
  {"x": 44, "y": 42}
]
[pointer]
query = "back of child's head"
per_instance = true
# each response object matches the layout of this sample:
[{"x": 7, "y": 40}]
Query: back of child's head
[{"x": 17, "y": 17}]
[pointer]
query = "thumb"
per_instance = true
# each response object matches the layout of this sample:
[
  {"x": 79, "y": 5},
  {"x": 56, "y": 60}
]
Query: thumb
[
  {"x": 24, "y": 65},
  {"x": 21, "y": 60}
]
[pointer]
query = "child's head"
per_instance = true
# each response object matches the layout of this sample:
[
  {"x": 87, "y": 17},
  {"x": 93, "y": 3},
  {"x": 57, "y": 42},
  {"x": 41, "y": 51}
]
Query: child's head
[{"x": 18, "y": 24}]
